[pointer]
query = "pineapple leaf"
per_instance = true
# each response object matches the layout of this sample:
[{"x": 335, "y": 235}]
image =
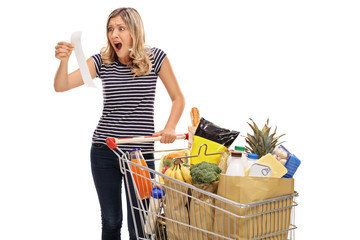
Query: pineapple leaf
[
  {"x": 262, "y": 141},
  {"x": 250, "y": 140},
  {"x": 253, "y": 127},
  {"x": 265, "y": 131}
]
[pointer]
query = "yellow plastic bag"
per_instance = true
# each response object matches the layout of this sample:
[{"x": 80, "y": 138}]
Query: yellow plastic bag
[{"x": 217, "y": 140}]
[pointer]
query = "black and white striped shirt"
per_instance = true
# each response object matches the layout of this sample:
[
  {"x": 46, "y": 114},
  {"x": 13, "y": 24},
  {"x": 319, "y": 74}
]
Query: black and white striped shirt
[{"x": 128, "y": 102}]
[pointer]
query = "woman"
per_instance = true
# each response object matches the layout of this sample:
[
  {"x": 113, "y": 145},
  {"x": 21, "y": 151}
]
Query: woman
[{"x": 128, "y": 70}]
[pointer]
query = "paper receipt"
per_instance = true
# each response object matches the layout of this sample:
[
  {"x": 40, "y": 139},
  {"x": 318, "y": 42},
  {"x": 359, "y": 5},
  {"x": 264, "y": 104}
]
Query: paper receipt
[{"x": 79, "y": 53}]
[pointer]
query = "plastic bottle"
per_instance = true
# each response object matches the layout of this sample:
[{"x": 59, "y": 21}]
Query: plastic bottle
[
  {"x": 252, "y": 158},
  {"x": 140, "y": 175},
  {"x": 156, "y": 195},
  {"x": 236, "y": 167},
  {"x": 243, "y": 157}
]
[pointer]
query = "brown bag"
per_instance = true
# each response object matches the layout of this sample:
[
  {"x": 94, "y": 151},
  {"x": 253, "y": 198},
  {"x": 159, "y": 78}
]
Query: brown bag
[
  {"x": 202, "y": 211},
  {"x": 263, "y": 220},
  {"x": 176, "y": 211}
]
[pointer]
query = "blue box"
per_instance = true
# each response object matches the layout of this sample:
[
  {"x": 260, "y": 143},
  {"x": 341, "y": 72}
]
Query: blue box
[{"x": 291, "y": 165}]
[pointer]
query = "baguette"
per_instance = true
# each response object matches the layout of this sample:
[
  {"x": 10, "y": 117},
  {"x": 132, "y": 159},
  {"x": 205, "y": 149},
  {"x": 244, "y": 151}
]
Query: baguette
[{"x": 195, "y": 116}]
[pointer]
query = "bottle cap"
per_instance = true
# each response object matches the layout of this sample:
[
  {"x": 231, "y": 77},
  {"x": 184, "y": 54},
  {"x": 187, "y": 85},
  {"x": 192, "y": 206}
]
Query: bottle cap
[
  {"x": 252, "y": 156},
  {"x": 236, "y": 154},
  {"x": 135, "y": 149},
  {"x": 157, "y": 193},
  {"x": 239, "y": 148}
]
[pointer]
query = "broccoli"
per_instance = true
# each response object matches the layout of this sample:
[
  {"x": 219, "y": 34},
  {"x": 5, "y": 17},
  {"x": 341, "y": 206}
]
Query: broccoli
[{"x": 205, "y": 172}]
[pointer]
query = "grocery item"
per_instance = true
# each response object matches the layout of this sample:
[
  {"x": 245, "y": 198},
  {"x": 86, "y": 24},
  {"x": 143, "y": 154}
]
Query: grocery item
[
  {"x": 156, "y": 195},
  {"x": 239, "y": 148},
  {"x": 170, "y": 172},
  {"x": 205, "y": 176},
  {"x": 185, "y": 171},
  {"x": 265, "y": 221},
  {"x": 217, "y": 140},
  {"x": 283, "y": 161},
  {"x": 223, "y": 162},
  {"x": 180, "y": 172},
  {"x": 236, "y": 165},
  {"x": 167, "y": 160},
  {"x": 141, "y": 176},
  {"x": 291, "y": 165},
  {"x": 177, "y": 154},
  {"x": 289, "y": 160},
  {"x": 205, "y": 172},
  {"x": 202, "y": 211},
  {"x": 262, "y": 141},
  {"x": 252, "y": 158},
  {"x": 281, "y": 154},
  {"x": 277, "y": 169},
  {"x": 195, "y": 116},
  {"x": 259, "y": 170},
  {"x": 244, "y": 156},
  {"x": 195, "y": 119},
  {"x": 164, "y": 169},
  {"x": 176, "y": 200},
  {"x": 191, "y": 131},
  {"x": 176, "y": 205}
]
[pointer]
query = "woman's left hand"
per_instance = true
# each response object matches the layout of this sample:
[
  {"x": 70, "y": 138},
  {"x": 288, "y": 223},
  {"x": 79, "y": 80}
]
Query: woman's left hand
[{"x": 167, "y": 135}]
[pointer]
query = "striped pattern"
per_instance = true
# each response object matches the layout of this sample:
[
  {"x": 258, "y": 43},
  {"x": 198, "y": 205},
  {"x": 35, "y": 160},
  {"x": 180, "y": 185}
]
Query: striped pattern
[{"x": 128, "y": 102}]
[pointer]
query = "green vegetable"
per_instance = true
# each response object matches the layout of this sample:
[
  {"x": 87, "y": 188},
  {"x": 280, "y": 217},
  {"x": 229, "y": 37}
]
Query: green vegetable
[{"x": 205, "y": 172}]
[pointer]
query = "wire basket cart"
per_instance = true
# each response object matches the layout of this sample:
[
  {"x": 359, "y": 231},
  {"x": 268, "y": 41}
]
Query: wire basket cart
[{"x": 183, "y": 211}]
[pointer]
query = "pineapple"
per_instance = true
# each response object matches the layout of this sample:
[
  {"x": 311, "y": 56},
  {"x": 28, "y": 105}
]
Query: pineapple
[{"x": 262, "y": 142}]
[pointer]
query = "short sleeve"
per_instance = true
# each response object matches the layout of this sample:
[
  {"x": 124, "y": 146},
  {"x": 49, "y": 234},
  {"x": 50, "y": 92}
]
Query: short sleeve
[
  {"x": 98, "y": 63},
  {"x": 159, "y": 56}
]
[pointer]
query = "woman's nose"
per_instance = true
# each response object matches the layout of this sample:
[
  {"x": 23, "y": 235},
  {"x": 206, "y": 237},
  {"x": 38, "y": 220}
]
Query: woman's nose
[{"x": 114, "y": 33}]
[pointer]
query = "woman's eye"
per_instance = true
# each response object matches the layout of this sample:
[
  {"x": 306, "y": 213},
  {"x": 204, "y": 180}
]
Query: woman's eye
[
  {"x": 110, "y": 29},
  {"x": 121, "y": 28}
]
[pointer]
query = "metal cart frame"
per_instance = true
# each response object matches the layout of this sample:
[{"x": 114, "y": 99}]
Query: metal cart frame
[{"x": 188, "y": 212}]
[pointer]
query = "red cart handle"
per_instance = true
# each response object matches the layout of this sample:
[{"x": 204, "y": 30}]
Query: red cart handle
[{"x": 113, "y": 142}]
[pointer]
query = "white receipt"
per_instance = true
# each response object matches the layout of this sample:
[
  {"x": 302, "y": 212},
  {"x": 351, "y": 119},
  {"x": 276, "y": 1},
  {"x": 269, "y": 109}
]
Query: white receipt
[{"x": 79, "y": 53}]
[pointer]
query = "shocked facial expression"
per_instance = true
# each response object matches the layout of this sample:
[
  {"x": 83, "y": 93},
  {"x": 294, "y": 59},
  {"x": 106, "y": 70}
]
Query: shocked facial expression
[{"x": 120, "y": 38}]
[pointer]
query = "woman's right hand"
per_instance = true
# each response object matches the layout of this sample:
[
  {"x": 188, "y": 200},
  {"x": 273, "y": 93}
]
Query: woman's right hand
[
  {"x": 64, "y": 81},
  {"x": 63, "y": 50}
]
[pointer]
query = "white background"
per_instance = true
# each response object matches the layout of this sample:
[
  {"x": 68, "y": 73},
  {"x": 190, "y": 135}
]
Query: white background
[{"x": 294, "y": 62}]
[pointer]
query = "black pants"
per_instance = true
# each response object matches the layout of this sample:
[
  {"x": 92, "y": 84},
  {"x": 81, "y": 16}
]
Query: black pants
[{"x": 108, "y": 179}]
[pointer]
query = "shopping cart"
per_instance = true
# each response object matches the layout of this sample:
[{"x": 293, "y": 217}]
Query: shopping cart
[{"x": 183, "y": 211}]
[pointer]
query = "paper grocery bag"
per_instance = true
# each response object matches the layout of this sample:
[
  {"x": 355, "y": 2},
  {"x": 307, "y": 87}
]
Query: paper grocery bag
[
  {"x": 202, "y": 211},
  {"x": 176, "y": 211},
  {"x": 261, "y": 221}
]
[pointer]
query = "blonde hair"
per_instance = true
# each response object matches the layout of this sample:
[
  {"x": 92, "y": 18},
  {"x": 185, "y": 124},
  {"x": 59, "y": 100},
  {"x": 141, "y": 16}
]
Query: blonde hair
[{"x": 140, "y": 54}]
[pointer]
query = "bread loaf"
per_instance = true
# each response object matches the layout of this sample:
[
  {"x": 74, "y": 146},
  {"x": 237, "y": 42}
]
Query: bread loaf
[{"x": 195, "y": 116}]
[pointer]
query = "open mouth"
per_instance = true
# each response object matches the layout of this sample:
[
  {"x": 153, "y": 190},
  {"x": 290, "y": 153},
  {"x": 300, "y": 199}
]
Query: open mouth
[{"x": 118, "y": 46}]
